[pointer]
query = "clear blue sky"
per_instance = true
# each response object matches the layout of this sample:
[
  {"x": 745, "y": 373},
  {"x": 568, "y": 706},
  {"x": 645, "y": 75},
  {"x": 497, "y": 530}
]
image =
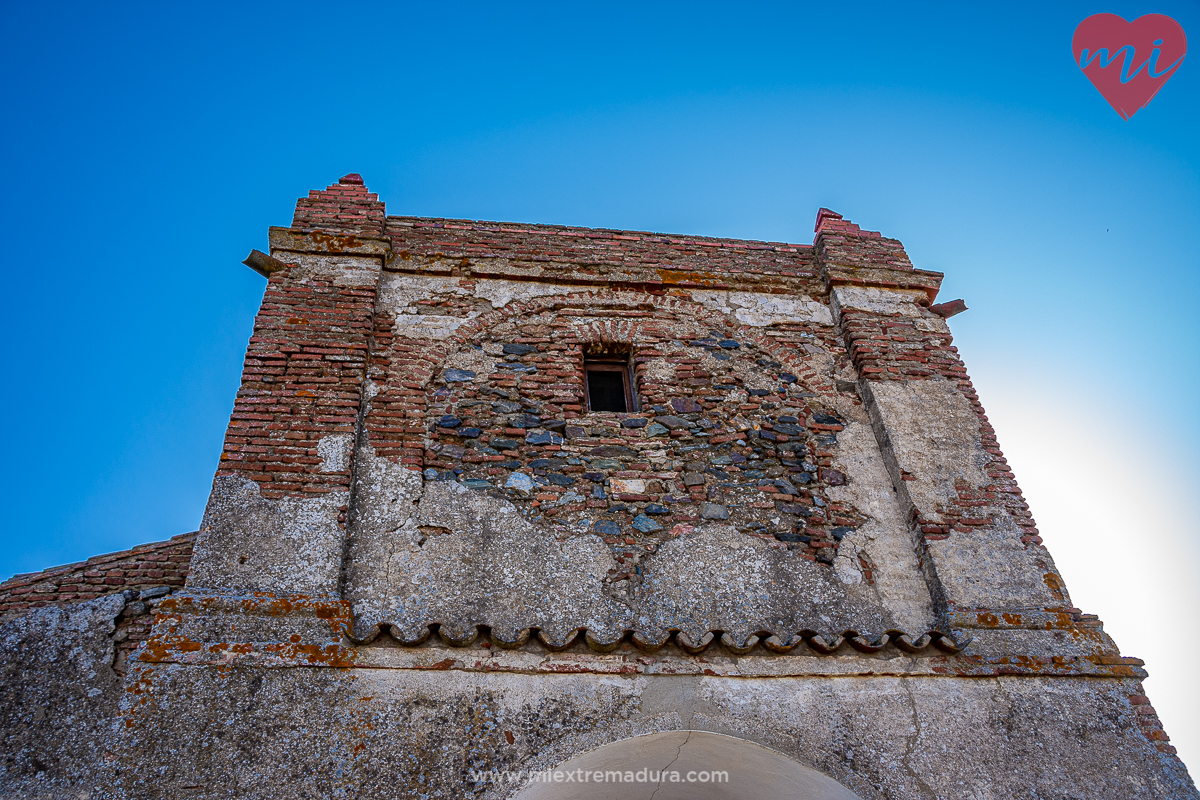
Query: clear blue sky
[{"x": 148, "y": 147}]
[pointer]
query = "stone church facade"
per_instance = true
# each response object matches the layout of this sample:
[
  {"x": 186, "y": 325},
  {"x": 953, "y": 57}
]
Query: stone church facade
[{"x": 533, "y": 511}]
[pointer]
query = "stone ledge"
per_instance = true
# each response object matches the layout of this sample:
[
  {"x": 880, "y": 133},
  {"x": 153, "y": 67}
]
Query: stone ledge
[{"x": 298, "y": 240}]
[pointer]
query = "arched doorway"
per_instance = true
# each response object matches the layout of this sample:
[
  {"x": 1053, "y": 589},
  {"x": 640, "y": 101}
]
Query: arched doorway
[{"x": 683, "y": 765}]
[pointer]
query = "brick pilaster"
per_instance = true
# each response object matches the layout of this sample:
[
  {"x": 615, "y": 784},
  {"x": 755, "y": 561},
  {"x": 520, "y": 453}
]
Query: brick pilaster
[
  {"x": 302, "y": 381},
  {"x": 276, "y": 518},
  {"x": 892, "y": 336}
]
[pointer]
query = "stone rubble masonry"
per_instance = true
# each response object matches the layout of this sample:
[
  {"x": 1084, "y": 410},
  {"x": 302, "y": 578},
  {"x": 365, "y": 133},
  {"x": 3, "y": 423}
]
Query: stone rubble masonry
[{"x": 547, "y": 378}]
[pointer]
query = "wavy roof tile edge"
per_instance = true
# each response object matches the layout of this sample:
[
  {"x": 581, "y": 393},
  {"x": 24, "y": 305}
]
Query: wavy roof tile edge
[{"x": 821, "y": 643}]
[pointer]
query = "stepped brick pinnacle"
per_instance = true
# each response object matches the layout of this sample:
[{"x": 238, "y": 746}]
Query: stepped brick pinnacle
[
  {"x": 345, "y": 207},
  {"x": 840, "y": 242},
  {"x": 824, "y": 214}
]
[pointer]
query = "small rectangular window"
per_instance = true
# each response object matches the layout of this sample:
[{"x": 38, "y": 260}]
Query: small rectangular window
[{"x": 608, "y": 384}]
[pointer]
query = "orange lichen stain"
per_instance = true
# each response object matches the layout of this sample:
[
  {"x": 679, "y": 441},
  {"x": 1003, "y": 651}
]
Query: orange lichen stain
[
  {"x": 366, "y": 699},
  {"x": 330, "y": 655},
  {"x": 988, "y": 619},
  {"x": 685, "y": 278},
  {"x": 262, "y": 602},
  {"x": 305, "y": 393},
  {"x": 1012, "y": 619},
  {"x": 1063, "y": 620},
  {"x": 334, "y": 244},
  {"x": 297, "y": 321},
  {"x": 155, "y": 650},
  {"x": 1055, "y": 584}
]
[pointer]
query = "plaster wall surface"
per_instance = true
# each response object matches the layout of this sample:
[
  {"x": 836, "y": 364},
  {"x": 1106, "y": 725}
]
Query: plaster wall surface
[
  {"x": 58, "y": 697},
  {"x": 401, "y": 733}
]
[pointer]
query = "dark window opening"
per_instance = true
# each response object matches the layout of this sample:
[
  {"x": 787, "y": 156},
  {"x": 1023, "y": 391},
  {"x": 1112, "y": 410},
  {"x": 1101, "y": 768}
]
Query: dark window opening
[
  {"x": 608, "y": 384},
  {"x": 606, "y": 390}
]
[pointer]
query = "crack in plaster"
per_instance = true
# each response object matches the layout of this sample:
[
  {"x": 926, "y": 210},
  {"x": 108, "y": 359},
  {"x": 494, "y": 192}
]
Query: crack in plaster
[
  {"x": 910, "y": 742},
  {"x": 678, "y": 753}
]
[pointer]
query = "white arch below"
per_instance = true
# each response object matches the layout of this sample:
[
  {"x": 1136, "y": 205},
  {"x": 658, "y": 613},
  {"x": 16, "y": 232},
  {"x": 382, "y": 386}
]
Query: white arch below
[{"x": 752, "y": 771}]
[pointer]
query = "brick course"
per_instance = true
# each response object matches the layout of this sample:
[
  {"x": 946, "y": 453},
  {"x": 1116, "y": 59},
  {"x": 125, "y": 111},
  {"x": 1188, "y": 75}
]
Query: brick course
[
  {"x": 143, "y": 567},
  {"x": 1148, "y": 721},
  {"x": 660, "y": 259}
]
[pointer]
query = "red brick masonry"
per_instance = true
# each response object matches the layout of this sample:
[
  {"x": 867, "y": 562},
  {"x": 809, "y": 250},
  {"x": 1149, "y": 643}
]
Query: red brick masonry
[{"x": 144, "y": 567}]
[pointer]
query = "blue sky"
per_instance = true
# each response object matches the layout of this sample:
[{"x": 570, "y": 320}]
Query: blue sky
[{"x": 148, "y": 148}]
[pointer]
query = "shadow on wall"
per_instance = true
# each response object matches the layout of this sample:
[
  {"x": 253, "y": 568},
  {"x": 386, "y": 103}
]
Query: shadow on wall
[{"x": 681, "y": 765}]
